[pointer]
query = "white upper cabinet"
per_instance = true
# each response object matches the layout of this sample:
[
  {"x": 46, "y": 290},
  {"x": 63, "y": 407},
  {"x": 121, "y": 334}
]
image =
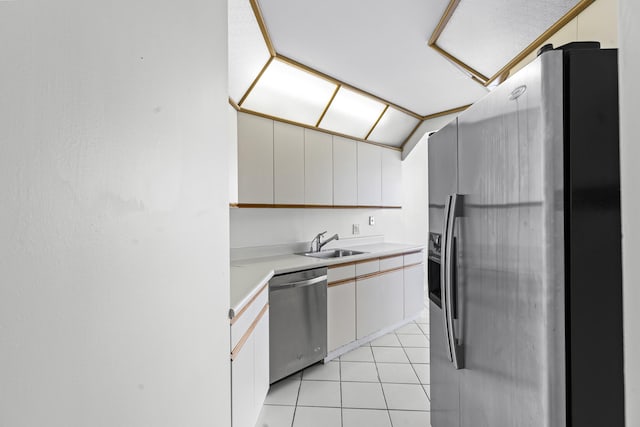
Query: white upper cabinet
[
  {"x": 345, "y": 166},
  {"x": 284, "y": 164},
  {"x": 391, "y": 178},
  {"x": 255, "y": 159},
  {"x": 369, "y": 174},
  {"x": 288, "y": 143},
  {"x": 318, "y": 168}
]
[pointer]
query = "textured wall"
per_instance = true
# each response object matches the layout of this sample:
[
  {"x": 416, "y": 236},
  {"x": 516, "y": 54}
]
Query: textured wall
[{"x": 113, "y": 214}]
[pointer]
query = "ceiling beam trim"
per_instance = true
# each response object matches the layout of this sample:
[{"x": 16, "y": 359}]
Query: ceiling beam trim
[
  {"x": 263, "y": 26},
  {"x": 386, "y": 107},
  {"x": 255, "y": 81}
]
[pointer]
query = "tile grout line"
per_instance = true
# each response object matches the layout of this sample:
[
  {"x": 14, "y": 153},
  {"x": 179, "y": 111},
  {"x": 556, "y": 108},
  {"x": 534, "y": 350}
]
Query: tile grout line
[
  {"x": 295, "y": 409},
  {"x": 384, "y": 396},
  {"x": 416, "y": 373}
]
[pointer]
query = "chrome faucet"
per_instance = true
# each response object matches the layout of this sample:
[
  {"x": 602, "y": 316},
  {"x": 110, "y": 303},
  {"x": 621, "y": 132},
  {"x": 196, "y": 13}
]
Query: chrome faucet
[{"x": 317, "y": 243}]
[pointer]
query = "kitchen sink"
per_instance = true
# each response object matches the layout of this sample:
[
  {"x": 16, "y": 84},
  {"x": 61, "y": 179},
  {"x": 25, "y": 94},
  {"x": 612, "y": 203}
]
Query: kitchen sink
[{"x": 333, "y": 253}]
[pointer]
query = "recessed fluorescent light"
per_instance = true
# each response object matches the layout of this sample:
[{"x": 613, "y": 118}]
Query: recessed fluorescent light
[
  {"x": 351, "y": 113},
  {"x": 290, "y": 93},
  {"x": 393, "y": 128}
]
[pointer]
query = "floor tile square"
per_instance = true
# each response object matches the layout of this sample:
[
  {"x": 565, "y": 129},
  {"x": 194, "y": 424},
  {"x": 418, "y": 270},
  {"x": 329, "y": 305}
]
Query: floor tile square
[
  {"x": 360, "y": 354},
  {"x": 276, "y": 416},
  {"x": 317, "y": 417},
  {"x": 363, "y": 395},
  {"x": 390, "y": 355},
  {"x": 359, "y": 371},
  {"x": 413, "y": 340},
  {"x": 319, "y": 393},
  {"x": 409, "y": 329},
  {"x": 397, "y": 373},
  {"x": 424, "y": 373},
  {"x": 418, "y": 355},
  {"x": 284, "y": 392},
  {"x": 322, "y": 372},
  {"x": 406, "y": 396},
  {"x": 410, "y": 418},
  {"x": 389, "y": 340},
  {"x": 425, "y": 328},
  {"x": 365, "y": 418}
]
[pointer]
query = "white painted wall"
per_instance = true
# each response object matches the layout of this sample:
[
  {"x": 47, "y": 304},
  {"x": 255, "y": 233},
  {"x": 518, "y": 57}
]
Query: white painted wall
[
  {"x": 629, "y": 37},
  {"x": 266, "y": 227},
  {"x": 114, "y": 214}
]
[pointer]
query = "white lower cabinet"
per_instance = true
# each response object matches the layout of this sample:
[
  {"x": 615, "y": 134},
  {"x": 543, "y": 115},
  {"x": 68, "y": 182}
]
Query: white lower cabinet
[
  {"x": 379, "y": 303},
  {"x": 368, "y": 303},
  {"x": 393, "y": 298},
  {"x": 341, "y": 315},
  {"x": 242, "y": 378},
  {"x": 261, "y": 362},
  {"x": 413, "y": 290},
  {"x": 250, "y": 376}
]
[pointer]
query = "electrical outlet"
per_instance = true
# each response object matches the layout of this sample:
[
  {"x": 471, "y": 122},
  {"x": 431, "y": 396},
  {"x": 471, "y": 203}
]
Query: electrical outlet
[
  {"x": 355, "y": 229},
  {"x": 372, "y": 220}
]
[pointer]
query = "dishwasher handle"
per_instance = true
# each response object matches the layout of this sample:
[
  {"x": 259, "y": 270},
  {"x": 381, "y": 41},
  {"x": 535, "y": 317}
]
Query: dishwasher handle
[{"x": 299, "y": 284}]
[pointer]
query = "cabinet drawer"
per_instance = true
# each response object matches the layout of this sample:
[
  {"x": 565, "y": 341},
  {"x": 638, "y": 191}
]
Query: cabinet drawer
[
  {"x": 245, "y": 317},
  {"x": 414, "y": 258},
  {"x": 335, "y": 274},
  {"x": 391, "y": 263},
  {"x": 367, "y": 267}
]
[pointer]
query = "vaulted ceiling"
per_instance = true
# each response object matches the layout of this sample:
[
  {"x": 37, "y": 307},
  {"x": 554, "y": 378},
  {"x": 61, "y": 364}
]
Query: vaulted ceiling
[{"x": 411, "y": 59}]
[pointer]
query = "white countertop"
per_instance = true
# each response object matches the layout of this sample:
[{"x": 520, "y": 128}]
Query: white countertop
[{"x": 248, "y": 276}]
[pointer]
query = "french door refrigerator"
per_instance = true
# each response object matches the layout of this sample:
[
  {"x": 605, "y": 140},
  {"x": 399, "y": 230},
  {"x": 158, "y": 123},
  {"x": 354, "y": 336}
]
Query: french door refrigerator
[{"x": 525, "y": 250}]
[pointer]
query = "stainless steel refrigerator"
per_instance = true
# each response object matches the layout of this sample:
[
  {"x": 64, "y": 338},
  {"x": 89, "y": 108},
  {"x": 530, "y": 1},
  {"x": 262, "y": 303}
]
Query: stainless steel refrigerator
[{"x": 525, "y": 250}]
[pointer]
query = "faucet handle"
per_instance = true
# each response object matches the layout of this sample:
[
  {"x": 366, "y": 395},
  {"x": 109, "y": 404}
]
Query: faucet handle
[{"x": 317, "y": 240}]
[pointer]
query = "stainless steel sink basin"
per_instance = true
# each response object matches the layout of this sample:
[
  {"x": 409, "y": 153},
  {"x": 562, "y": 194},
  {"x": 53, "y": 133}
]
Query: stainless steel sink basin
[{"x": 333, "y": 253}]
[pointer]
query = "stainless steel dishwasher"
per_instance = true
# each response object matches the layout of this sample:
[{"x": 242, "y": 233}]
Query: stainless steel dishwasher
[{"x": 297, "y": 321}]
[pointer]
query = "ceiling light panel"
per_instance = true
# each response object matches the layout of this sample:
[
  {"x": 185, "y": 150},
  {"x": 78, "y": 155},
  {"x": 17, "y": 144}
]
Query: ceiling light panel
[
  {"x": 393, "y": 128},
  {"x": 487, "y": 35},
  {"x": 352, "y": 114},
  {"x": 290, "y": 93},
  {"x": 248, "y": 52}
]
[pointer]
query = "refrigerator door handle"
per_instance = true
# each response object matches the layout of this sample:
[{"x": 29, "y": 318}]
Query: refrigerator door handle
[
  {"x": 454, "y": 211},
  {"x": 443, "y": 276}
]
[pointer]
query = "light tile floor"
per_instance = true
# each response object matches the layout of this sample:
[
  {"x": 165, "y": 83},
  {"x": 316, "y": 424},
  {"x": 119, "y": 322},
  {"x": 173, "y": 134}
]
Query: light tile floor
[{"x": 382, "y": 384}]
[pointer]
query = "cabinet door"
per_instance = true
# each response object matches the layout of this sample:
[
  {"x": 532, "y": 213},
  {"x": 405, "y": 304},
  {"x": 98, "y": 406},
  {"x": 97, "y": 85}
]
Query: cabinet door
[
  {"x": 368, "y": 302},
  {"x": 341, "y": 315},
  {"x": 255, "y": 159},
  {"x": 369, "y": 175},
  {"x": 318, "y": 168},
  {"x": 242, "y": 377},
  {"x": 288, "y": 143},
  {"x": 413, "y": 290},
  {"x": 345, "y": 177},
  {"x": 261, "y": 363},
  {"x": 392, "y": 305},
  {"x": 391, "y": 178}
]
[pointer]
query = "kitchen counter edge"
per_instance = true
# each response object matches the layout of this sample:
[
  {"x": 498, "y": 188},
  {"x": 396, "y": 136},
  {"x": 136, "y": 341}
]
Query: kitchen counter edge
[{"x": 251, "y": 276}]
